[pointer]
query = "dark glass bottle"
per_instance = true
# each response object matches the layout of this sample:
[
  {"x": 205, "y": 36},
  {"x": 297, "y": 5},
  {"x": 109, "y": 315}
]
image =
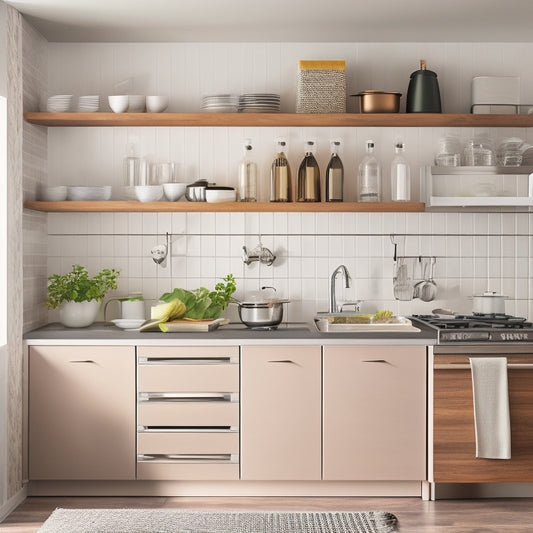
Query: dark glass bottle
[{"x": 309, "y": 176}]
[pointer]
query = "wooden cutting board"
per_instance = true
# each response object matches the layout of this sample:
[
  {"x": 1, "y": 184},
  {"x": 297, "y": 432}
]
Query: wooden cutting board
[{"x": 185, "y": 325}]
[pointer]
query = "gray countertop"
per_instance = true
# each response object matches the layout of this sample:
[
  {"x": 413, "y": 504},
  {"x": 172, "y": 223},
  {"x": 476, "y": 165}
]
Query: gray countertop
[{"x": 102, "y": 333}]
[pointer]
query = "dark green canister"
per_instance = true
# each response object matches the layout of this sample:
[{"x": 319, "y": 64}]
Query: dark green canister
[{"x": 423, "y": 95}]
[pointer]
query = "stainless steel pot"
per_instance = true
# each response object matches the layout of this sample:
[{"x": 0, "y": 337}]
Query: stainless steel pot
[{"x": 488, "y": 303}]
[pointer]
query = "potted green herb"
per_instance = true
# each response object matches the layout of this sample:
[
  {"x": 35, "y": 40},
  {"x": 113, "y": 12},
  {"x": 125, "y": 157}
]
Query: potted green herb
[{"x": 78, "y": 296}]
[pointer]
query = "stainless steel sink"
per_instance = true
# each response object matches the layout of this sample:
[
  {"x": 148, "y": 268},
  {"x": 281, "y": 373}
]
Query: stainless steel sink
[{"x": 323, "y": 325}]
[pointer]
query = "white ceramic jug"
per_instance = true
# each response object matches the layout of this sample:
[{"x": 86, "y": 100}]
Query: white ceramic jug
[{"x": 130, "y": 307}]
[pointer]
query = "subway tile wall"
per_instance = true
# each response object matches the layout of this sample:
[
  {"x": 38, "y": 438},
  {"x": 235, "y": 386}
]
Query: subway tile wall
[{"x": 475, "y": 251}]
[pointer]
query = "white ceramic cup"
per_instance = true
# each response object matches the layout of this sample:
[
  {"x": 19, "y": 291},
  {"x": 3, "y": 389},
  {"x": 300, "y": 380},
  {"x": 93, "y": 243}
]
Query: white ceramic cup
[
  {"x": 118, "y": 103},
  {"x": 156, "y": 104},
  {"x": 136, "y": 103}
]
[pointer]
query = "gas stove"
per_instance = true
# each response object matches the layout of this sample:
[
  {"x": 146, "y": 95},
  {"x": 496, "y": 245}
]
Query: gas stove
[{"x": 477, "y": 328}]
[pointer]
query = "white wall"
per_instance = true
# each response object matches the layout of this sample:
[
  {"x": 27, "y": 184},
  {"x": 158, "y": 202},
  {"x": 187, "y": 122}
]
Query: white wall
[{"x": 475, "y": 251}]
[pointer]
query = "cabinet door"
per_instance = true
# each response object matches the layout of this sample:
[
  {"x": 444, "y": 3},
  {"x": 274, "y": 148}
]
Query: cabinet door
[
  {"x": 454, "y": 438},
  {"x": 374, "y": 413},
  {"x": 82, "y": 412},
  {"x": 280, "y": 412}
]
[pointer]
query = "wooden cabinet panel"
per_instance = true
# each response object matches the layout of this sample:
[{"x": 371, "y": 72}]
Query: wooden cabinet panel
[
  {"x": 197, "y": 472},
  {"x": 454, "y": 447},
  {"x": 374, "y": 413},
  {"x": 81, "y": 412},
  {"x": 281, "y": 413}
]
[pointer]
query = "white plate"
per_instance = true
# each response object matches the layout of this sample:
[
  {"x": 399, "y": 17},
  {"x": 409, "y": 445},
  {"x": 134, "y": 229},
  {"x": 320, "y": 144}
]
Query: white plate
[{"x": 128, "y": 323}]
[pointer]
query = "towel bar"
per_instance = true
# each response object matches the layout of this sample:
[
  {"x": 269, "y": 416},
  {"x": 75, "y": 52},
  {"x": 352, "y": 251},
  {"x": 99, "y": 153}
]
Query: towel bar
[{"x": 466, "y": 366}]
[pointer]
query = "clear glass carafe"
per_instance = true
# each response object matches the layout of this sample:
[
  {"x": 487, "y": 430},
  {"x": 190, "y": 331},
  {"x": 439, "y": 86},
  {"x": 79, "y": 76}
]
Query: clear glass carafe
[
  {"x": 247, "y": 179},
  {"x": 369, "y": 176},
  {"x": 400, "y": 176}
]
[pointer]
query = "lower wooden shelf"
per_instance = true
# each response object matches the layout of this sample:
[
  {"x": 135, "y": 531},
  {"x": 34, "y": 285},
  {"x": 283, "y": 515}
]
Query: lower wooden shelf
[{"x": 183, "y": 207}]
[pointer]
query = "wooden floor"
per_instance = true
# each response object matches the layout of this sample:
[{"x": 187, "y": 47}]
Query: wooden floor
[{"x": 414, "y": 515}]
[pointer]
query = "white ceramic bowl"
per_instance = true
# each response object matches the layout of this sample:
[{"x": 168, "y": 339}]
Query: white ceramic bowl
[
  {"x": 136, "y": 103},
  {"x": 174, "y": 191},
  {"x": 54, "y": 194},
  {"x": 118, "y": 103},
  {"x": 156, "y": 104},
  {"x": 89, "y": 194},
  {"x": 149, "y": 193},
  {"x": 214, "y": 194}
]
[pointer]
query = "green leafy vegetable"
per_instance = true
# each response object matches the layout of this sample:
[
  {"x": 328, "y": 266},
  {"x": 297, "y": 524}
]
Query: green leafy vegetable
[
  {"x": 202, "y": 303},
  {"x": 168, "y": 311}
]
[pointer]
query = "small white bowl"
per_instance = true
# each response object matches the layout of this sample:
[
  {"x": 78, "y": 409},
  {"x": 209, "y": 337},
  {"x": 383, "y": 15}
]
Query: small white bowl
[
  {"x": 136, "y": 103},
  {"x": 156, "y": 104},
  {"x": 149, "y": 193},
  {"x": 220, "y": 194},
  {"x": 89, "y": 194},
  {"x": 128, "y": 324},
  {"x": 54, "y": 194},
  {"x": 118, "y": 103},
  {"x": 174, "y": 191}
]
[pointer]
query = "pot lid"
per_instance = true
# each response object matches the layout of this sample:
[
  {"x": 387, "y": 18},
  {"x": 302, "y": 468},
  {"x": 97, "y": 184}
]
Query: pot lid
[
  {"x": 265, "y": 296},
  {"x": 489, "y": 294}
]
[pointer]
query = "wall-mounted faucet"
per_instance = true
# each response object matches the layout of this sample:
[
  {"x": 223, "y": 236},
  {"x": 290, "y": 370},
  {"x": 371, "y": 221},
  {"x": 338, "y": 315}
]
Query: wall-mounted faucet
[{"x": 259, "y": 253}]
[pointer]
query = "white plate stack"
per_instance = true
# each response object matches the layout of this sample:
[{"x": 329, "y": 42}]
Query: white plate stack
[
  {"x": 259, "y": 103},
  {"x": 220, "y": 103},
  {"x": 88, "y": 104},
  {"x": 58, "y": 103}
]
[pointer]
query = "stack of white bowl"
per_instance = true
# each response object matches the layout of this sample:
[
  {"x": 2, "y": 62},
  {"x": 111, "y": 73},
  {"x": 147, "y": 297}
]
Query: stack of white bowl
[
  {"x": 88, "y": 104},
  {"x": 220, "y": 103},
  {"x": 58, "y": 103}
]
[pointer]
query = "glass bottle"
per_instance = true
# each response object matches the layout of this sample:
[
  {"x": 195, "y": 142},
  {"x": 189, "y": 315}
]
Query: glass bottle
[
  {"x": 369, "y": 176},
  {"x": 131, "y": 167},
  {"x": 335, "y": 175},
  {"x": 247, "y": 176},
  {"x": 400, "y": 176},
  {"x": 280, "y": 175},
  {"x": 309, "y": 176}
]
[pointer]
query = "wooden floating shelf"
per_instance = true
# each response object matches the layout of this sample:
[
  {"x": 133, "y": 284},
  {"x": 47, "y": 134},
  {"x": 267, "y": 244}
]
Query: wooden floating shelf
[
  {"x": 223, "y": 207},
  {"x": 279, "y": 119}
]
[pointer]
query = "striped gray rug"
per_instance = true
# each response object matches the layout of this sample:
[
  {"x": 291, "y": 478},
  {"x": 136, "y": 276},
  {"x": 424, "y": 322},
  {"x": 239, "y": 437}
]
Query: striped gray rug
[{"x": 177, "y": 521}]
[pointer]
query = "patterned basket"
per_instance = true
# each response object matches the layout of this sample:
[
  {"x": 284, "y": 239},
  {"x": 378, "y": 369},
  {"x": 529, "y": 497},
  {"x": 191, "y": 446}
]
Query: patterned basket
[{"x": 321, "y": 87}]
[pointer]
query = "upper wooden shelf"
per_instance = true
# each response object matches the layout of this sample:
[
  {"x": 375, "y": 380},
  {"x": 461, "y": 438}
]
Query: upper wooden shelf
[
  {"x": 279, "y": 119},
  {"x": 184, "y": 206}
]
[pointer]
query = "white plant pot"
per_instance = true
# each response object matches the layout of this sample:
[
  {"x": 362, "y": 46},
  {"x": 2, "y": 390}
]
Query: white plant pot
[{"x": 78, "y": 314}]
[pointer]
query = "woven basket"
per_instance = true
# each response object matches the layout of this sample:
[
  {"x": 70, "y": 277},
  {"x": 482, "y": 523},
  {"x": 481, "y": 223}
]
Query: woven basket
[{"x": 321, "y": 87}]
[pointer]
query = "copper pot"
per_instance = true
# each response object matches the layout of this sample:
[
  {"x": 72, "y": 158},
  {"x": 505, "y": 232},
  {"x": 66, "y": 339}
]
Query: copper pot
[{"x": 375, "y": 101}]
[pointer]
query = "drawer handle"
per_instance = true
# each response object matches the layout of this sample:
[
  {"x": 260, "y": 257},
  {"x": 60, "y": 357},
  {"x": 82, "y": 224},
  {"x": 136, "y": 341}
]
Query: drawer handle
[
  {"x": 186, "y": 360},
  {"x": 466, "y": 366},
  {"x": 382, "y": 361},
  {"x": 283, "y": 361},
  {"x": 189, "y": 397},
  {"x": 190, "y": 458},
  {"x": 187, "y": 429},
  {"x": 86, "y": 361}
]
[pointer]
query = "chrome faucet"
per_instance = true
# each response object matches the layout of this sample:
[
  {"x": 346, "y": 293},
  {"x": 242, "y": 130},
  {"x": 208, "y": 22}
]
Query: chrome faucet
[{"x": 332, "y": 297}]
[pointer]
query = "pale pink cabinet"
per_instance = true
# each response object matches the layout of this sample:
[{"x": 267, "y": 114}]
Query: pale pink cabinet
[
  {"x": 281, "y": 413},
  {"x": 81, "y": 412},
  {"x": 374, "y": 413}
]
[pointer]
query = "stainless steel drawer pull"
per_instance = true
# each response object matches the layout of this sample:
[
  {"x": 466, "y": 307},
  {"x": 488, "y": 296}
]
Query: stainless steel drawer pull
[
  {"x": 187, "y": 429},
  {"x": 466, "y": 366},
  {"x": 185, "y": 360},
  {"x": 191, "y": 458},
  {"x": 188, "y": 397}
]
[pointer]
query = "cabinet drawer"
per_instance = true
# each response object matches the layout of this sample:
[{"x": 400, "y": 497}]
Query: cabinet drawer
[
  {"x": 179, "y": 471},
  {"x": 187, "y": 442},
  {"x": 231, "y": 353},
  {"x": 190, "y": 414},
  {"x": 177, "y": 376}
]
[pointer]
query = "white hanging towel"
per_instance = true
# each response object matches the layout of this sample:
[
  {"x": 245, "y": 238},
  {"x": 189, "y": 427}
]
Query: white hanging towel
[{"x": 491, "y": 407}]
